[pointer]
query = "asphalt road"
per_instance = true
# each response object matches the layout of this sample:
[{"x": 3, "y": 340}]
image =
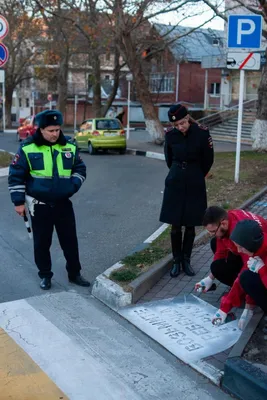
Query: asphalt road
[{"x": 116, "y": 209}]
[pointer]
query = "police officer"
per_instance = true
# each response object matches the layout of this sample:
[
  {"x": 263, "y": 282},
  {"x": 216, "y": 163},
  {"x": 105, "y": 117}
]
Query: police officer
[
  {"x": 189, "y": 156},
  {"x": 45, "y": 173}
]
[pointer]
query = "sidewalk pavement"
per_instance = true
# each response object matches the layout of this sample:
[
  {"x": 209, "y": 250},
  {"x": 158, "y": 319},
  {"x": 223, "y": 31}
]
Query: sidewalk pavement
[
  {"x": 141, "y": 140},
  {"x": 202, "y": 256}
]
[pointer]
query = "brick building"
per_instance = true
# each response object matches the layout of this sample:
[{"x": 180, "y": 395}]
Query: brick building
[{"x": 177, "y": 75}]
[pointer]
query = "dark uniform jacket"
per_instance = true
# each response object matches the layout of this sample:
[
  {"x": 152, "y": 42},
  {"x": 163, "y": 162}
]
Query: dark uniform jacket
[
  {"x": 189, "y": 159},
  {"x": 50, "y": 173}
]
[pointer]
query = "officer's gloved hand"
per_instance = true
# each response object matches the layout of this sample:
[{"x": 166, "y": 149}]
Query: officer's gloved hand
[
  {"x": 245, "y": 318},
  {"x": 254, "y": 264},
  {"x": 219, "y": 317},
  {"x": 204, "y": 285}
]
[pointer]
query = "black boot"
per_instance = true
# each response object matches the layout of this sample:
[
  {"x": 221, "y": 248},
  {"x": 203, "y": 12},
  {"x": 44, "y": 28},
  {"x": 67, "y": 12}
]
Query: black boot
[
  {"x": 188, "y": 243},
  {"x": 79, "y": 280},
  {"x": 45, "y": 283},
  {"x": 176, "y": 241},
  {"x": 176, "y": 268}
]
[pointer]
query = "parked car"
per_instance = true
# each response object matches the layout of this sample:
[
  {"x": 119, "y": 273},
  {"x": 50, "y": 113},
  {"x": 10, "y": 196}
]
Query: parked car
[
  {"x": 101, "y": 134},
  {"x": 27, "y": 127}
]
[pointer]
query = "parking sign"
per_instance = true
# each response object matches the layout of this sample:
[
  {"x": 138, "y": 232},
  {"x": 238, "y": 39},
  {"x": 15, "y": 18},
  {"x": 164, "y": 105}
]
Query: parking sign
[{"x": 244, "y": 31}]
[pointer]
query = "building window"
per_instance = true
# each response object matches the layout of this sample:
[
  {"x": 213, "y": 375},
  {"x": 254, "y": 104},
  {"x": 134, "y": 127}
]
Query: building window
[
  {"x": 107, "y": 56},
  {"x": 20, "y": 102},
  {"x": 161, "y": 83},
  {"x": 107, "y": 77},
  {"x": 27, "y": 102},
  {"x": 215, "y": 88}
]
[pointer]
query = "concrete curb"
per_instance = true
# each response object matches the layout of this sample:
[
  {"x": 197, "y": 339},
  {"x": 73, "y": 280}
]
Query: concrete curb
[
  {"x": 149, "y": 154},
  {"x": 241, "y": 378}
]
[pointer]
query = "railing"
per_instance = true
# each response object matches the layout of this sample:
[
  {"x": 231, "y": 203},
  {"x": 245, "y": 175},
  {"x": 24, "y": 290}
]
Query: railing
[{"x": 222, "y": 116}]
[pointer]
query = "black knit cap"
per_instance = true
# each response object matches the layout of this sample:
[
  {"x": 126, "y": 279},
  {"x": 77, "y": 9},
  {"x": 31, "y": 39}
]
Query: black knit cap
[
  {"x": 177, "y": 112},
  {"x": 248, "y": 234},
  {"x": 49, "y": 117}
]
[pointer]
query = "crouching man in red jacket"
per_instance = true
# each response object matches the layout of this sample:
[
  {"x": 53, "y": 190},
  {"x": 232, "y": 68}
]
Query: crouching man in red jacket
[
  {"x": 228, "y": 263},
  {"x": 250, "y": 240}
]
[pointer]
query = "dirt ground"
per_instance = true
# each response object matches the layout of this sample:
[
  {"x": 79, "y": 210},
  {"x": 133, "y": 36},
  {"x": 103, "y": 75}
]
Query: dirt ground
[{"x": 256, "y": 350}]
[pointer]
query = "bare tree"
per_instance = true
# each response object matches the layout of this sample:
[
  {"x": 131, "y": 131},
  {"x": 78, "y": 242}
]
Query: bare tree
[
  {"x": 130, "y": 22},
  {"x": 24, "y": 29}
]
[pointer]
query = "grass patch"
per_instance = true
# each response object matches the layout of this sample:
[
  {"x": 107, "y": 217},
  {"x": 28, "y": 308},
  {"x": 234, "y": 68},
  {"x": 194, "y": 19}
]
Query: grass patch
[
  {"x": 5, "y": 159},
  {"x": 221, "y": 190}
]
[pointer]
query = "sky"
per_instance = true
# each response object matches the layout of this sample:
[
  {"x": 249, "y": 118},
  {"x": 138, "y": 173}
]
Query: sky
[{"x": 203, "y": 14}]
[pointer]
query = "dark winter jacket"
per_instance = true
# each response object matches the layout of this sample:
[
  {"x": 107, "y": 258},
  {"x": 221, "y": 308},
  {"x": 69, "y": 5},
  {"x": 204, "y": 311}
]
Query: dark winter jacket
[{"x": 189, "y": 158}]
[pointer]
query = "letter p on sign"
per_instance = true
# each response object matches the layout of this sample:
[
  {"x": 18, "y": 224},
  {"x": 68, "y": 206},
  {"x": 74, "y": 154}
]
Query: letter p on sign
[
  {"x": 244, "y": 32},
  {"x": 244, "y": 27}
]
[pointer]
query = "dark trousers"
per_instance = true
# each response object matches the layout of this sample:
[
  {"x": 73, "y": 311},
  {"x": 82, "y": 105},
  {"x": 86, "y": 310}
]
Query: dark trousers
[
  {"x": 61, "y": 217},
  {"x": 226, "y": 270},
  {"x": 182, "y": 246},
  {"x": 253, "y": 286}
]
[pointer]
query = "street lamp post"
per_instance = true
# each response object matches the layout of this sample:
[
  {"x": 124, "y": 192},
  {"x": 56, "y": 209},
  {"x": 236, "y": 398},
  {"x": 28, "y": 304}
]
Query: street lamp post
[{"x": 129, "y": 78}]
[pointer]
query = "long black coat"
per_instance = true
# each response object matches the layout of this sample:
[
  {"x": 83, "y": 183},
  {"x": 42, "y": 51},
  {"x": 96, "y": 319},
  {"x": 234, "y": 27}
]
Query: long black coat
[{"x": 189, "y": 158}]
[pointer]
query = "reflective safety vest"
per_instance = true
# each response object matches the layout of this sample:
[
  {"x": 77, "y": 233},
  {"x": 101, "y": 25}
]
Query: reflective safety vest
[{"x": 50, "y": 161}]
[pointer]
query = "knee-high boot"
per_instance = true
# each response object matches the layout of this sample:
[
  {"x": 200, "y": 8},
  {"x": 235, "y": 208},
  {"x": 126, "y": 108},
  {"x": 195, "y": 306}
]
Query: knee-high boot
[
  {"x": 176, "y": 241},
  {"x": 188, "y": 242}
]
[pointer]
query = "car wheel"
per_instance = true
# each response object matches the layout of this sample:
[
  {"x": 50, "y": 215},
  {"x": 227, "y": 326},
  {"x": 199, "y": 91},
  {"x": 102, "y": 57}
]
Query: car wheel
[
  {"x": 18, "y": 137},
  {"x": 91, "y": 149},
  {"x": 122, "y": 151}
]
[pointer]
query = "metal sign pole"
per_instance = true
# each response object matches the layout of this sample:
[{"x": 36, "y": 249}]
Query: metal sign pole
[
  {"x": 239, "y": 125},
  {"x": 128, "y": 111},
  {"x": 75, "y": 112},
  {"x": 4, "y": 104}
]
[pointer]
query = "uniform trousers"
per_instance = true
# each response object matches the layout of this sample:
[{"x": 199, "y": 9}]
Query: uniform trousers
[
  {"x": 253, "y": 286},
  {"x": 45, "y": 218},
  {"x": 226, "y": 270}
]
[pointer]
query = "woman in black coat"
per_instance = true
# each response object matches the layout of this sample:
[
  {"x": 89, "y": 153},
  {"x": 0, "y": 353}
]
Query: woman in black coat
[{"x": 189, "y": 156}]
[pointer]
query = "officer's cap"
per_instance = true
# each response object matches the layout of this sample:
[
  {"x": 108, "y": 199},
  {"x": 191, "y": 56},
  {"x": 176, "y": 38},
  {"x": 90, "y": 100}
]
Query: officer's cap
[
  {"x": 49, "y": 117},
  {"x": 177, "y": 112}
]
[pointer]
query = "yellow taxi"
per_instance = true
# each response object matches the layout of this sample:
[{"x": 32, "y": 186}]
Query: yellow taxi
[{"x": 101, "y": 134}]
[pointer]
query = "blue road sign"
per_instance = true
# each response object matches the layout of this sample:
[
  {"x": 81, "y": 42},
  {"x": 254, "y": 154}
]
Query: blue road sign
[
  {"x": 3, "y": 54},
  {"x": 244, "y": 31}
]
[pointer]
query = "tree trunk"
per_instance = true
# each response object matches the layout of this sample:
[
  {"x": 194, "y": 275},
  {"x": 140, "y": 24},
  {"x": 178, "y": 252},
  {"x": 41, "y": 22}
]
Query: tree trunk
[
  {"x": 113, "y": 93},
  {"x": 63, "y": 83},
  {"x": 62, "y": 96},
  {"x": 259, "y": 129},
  {"x": 96, "y": 105},
  {"x": 9, "y": 96},
  {"x": 153, "y": 124}
]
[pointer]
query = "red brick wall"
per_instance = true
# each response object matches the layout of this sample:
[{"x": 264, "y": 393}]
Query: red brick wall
[{"x": 191, "y": 83}]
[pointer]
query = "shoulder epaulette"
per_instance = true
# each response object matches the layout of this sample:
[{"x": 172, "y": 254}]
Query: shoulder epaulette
[
  {"x": 205, "y": 128},
  {"x": 169, "y": 129}
]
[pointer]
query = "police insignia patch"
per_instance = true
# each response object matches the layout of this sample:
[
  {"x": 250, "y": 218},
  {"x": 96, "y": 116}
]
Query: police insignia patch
[
  {"x": 68, "y": 155},
  {"x": 173, "y": 117},
  {"x": 15, "y": 159}
]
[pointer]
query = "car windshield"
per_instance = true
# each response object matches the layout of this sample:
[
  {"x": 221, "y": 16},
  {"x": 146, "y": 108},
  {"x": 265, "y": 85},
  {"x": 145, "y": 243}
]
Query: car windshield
[{"x": 107, "y": 124}]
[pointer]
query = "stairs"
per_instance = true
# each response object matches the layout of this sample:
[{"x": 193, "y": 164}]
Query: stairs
[{"x": 227, "y": 131}]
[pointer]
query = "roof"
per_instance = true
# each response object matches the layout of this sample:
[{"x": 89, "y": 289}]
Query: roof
[{"x": 195, "y": 45}]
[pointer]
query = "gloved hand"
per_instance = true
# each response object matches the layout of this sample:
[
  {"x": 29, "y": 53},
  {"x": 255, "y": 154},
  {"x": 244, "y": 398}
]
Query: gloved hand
[
  {"x": 245, "y": 318},
  {"x": 219, "y": 317},
  {"x": 254, "y": 264},
  {"x": 204, "y": 285}
]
